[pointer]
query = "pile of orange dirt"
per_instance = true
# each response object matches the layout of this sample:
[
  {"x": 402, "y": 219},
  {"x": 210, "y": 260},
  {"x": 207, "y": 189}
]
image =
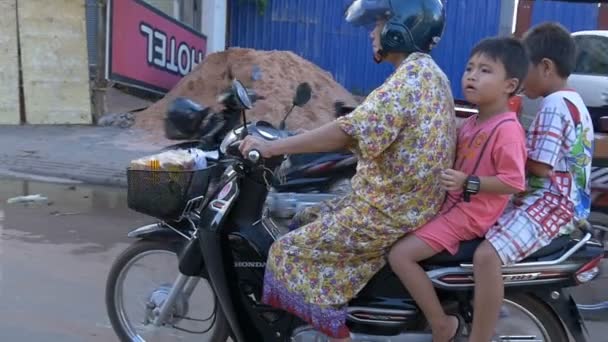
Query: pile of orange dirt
[{"x": 277, "y": 75}]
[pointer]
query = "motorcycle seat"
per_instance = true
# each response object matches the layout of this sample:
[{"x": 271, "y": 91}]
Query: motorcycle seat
[{"x": 467, "y": 250}]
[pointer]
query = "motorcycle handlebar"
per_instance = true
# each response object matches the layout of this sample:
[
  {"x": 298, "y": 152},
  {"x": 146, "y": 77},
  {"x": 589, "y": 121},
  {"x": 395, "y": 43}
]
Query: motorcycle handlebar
[{"x": 254, "y": 156}]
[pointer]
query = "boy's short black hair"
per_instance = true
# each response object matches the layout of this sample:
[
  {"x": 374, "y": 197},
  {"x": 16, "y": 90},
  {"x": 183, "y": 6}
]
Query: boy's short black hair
[
  {"x": 509, "y": 51},
  {"x": 552, "y": 41}
]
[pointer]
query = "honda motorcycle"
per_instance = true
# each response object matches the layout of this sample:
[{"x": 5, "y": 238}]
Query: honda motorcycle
[
  {"x": 305, "y": 173},
  {"x": 214, "y": 237}
]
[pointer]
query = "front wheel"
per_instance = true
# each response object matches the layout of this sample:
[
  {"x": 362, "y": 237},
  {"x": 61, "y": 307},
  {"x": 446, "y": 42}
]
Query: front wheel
[{"x": 139, "y": 283}]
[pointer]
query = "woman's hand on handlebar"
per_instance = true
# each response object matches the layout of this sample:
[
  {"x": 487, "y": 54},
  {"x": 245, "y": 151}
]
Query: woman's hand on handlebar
[{"x": 254, "y": 143}]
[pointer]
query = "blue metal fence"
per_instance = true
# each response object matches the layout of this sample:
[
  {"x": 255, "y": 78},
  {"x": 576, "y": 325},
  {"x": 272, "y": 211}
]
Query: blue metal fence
[
  {"x": 315, "y": 30},
  {"x": 574, "y": 16}
]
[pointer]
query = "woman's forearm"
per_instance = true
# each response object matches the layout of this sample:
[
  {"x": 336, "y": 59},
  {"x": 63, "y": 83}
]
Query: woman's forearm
[{"x": 327, "y": 138}]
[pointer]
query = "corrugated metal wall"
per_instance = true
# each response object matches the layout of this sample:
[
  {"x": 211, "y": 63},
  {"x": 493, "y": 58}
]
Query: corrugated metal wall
[
  {"x": 315, "y": 30},
  {"x": 574, "y": 16}
]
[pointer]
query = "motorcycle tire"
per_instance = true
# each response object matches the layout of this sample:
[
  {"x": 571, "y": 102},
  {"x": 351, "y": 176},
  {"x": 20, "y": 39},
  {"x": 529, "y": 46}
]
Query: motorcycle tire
[
  {"x": 543, "y": 314},
  {"x": 221, "y": 331}
]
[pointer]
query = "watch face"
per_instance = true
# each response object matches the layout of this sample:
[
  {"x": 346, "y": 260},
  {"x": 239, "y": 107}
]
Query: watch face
[{"x": 473, "y": 184}]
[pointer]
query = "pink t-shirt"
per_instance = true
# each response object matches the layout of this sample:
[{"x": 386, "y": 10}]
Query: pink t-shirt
[{"x": 496, "y": 147}]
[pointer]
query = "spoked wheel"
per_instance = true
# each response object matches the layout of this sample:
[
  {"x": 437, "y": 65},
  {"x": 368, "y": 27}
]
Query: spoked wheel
[{"x": 141, "y": 281}]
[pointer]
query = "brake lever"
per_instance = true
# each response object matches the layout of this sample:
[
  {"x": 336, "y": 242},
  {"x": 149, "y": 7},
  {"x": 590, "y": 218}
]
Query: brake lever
[
  {"x": 253, "y": 156},
  {"x": 233, "y": 149}
]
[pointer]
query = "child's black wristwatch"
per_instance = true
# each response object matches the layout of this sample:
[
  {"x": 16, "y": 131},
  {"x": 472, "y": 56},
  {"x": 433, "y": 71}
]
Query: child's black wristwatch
[{"x": 471, "y": 187}]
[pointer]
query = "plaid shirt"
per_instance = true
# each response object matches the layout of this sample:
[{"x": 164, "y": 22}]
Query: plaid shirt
[{"x": 561, "y": 136}]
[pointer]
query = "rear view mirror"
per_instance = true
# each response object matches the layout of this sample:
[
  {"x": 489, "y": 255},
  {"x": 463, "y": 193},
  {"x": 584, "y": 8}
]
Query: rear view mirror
[
  {"x": 303, "y": 93},
  {"x": 241, "y": 94}
]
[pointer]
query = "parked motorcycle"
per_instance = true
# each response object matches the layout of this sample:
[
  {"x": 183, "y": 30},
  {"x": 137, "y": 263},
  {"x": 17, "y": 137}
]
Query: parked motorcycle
[
  {"x": 304, "y": 173},
  {"x": 221, "y": 240},
  {"x": 302, "y": 180}
]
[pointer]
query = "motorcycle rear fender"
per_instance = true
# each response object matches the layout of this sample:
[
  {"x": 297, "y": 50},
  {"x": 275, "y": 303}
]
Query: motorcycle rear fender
[{"x": 565, "y": 308}]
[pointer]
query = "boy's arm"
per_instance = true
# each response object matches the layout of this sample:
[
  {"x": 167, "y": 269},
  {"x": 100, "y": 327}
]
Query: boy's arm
[
  {"x": 539, "y": 169},
  {"x": 510, "y": 164},
  {"x": 545, "y": 139},
  {"x": 509, "y": 160},
  {"x": 454, "y": 180},
  {"x": 494, "y": 185}
]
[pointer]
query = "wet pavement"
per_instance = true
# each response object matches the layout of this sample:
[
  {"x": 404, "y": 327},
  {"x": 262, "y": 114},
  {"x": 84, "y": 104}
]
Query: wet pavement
[
  {"x": 54, "y": 259},
  {"x": 55, "y": 256}
]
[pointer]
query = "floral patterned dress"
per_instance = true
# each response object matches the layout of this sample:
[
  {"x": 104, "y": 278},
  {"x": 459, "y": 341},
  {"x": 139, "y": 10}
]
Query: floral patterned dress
[{"x": 404, "y": 135}]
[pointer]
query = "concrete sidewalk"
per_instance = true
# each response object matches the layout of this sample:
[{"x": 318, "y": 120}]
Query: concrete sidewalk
[{"x": 97, "y": 155}]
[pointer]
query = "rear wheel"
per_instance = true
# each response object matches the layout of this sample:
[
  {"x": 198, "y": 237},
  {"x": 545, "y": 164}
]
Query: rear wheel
[{"x": 525, "y": 318}]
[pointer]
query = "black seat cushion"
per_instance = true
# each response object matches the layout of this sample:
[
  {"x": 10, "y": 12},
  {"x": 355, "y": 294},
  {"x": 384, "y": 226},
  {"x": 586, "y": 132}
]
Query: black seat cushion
[{"x": 467, "y": 249}]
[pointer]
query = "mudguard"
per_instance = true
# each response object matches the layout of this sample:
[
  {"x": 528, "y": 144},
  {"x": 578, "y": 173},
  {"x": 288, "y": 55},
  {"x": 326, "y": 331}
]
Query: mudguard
[{"x": 565, "y": 307}]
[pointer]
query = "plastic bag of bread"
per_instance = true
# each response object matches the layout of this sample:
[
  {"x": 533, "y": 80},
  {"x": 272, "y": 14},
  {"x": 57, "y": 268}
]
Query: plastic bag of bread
[{"x": 175, "y": 160}]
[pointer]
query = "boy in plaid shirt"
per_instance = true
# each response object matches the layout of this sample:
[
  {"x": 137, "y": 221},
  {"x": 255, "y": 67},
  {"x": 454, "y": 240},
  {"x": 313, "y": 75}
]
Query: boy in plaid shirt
[{"x": 560, "y": 148}]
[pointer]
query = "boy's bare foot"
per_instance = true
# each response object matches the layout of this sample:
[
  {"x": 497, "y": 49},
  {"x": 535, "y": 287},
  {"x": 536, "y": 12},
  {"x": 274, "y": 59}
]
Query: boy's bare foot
[{"x": 448, "y": 331}]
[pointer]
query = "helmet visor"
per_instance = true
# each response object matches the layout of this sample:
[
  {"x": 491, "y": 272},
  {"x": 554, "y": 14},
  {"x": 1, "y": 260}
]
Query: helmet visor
[{"x": 367, "y": 12}]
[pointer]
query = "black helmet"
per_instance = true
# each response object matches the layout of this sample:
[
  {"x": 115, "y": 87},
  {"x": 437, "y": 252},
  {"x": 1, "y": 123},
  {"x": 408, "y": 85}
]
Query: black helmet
[
  {"x": 411, "y": 25},
  {"x": 184, "y": 118}
]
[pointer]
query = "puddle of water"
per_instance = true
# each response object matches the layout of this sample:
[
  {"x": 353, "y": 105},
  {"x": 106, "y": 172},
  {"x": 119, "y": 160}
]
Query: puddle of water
[{"x": 89, "y": 219}]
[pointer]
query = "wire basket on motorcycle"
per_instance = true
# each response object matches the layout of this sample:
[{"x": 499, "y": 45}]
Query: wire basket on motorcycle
[{"x": 163, "y": 185}]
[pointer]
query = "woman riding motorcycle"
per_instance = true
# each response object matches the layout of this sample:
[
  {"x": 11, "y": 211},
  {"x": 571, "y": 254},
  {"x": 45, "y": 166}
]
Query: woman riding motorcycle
[{"x": 404, "y": 135}]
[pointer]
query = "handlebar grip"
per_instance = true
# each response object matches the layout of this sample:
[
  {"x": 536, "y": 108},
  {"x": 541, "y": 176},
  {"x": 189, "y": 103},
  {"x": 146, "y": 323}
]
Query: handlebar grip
[{"x": 254, "y": 156}]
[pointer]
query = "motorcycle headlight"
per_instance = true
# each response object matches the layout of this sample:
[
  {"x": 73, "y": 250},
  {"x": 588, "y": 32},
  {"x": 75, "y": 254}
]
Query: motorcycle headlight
[{"x": 229, "y": 139}]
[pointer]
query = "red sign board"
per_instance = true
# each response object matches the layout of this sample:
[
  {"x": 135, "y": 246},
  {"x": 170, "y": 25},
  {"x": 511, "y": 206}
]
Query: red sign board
[{"x": 147, "y": 48}]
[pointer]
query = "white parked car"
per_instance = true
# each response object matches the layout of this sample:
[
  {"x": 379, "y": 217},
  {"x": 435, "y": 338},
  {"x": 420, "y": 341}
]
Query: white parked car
[{"x": 590, "y": 77}]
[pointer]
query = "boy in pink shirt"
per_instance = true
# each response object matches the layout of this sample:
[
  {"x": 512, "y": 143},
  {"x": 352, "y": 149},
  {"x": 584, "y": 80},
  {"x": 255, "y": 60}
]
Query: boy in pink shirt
[{"x": 490, "y": 163}]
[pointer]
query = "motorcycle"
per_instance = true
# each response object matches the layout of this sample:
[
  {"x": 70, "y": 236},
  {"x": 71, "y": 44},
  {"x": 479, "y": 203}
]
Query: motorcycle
[
  {"x": 305, "y": 173},
  {"x": 223, "y": 242}
]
